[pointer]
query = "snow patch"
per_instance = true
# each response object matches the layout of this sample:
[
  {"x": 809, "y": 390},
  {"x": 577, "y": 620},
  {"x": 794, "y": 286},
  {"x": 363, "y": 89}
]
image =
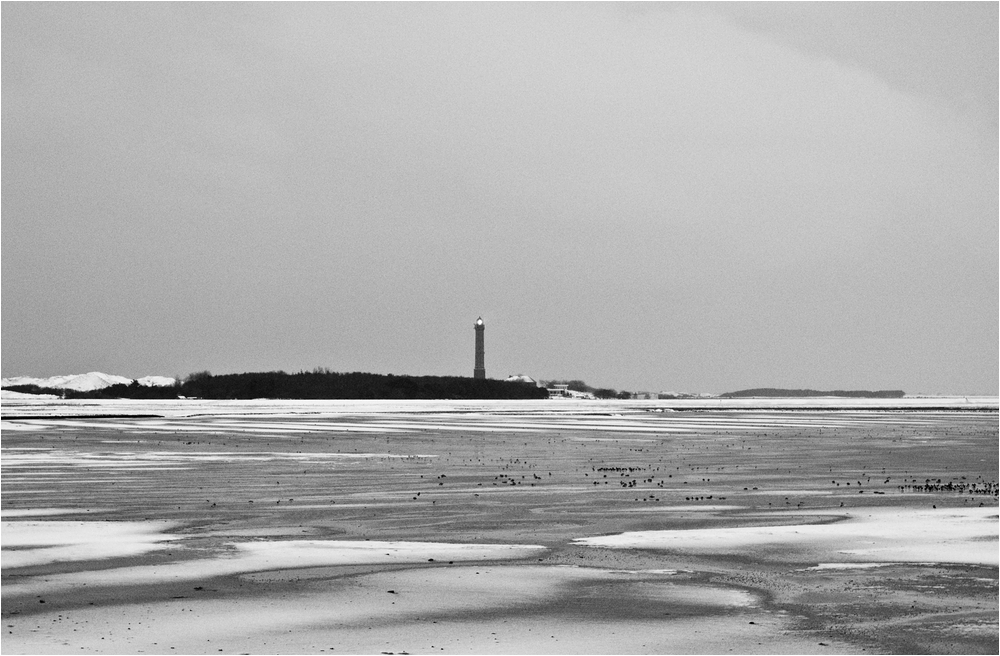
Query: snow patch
[
  {"x": 955, "y": 535},
  {"x": 44, "y": 542}
]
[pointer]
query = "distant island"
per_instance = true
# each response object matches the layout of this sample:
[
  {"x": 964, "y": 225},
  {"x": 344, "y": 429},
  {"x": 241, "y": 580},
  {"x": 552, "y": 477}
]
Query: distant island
[
  {"x": 316, "y": 384},
  {"x": 799, "y": 393}
]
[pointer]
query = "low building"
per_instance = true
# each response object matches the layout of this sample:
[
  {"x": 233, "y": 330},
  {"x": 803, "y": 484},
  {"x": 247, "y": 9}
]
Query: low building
[
  {"x": 564, "y": 392},
  {"x": 558, "y": 391}
]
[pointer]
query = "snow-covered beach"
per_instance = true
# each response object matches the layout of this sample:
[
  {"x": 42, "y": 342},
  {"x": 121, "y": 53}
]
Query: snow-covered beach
[{"x": 809, "y": 526}]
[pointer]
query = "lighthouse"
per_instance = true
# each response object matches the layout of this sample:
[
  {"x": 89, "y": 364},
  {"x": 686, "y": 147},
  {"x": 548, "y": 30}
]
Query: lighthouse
[{"x": 480, "y": 370}]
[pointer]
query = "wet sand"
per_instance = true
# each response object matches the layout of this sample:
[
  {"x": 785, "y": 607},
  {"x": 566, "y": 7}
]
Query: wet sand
[{"x": 498, "y": 528}]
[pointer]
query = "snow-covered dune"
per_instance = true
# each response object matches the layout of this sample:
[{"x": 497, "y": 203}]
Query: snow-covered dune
[{"x": 94, "y": 380}]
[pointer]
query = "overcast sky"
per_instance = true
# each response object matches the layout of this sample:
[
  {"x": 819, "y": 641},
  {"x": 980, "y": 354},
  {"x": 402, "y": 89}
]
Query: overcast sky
[{"x": 657, "y": 197}]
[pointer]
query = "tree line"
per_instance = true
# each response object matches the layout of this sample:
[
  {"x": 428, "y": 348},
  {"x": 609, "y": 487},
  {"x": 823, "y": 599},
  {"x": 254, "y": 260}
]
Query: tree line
[
  {"x": 316, "y": 384},
  {"x": 793, "y": 393}
]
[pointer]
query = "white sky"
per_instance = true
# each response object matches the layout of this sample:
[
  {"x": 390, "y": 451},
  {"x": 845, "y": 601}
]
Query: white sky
[{"x": 665, "y": 197}]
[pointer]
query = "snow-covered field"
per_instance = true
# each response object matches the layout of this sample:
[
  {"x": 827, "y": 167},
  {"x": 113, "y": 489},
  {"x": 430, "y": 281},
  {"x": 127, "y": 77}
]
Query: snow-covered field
[
  {"x": 15, "y": 404},
  {"x": 803, "y": 525}
]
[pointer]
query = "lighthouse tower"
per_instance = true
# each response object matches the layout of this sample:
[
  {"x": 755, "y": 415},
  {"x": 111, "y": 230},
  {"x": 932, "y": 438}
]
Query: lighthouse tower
[{"x": 480, "y": 370}]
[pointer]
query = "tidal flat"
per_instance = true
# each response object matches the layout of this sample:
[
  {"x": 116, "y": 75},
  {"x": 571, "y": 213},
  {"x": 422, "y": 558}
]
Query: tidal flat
[{"x": 778, "y": 526}]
